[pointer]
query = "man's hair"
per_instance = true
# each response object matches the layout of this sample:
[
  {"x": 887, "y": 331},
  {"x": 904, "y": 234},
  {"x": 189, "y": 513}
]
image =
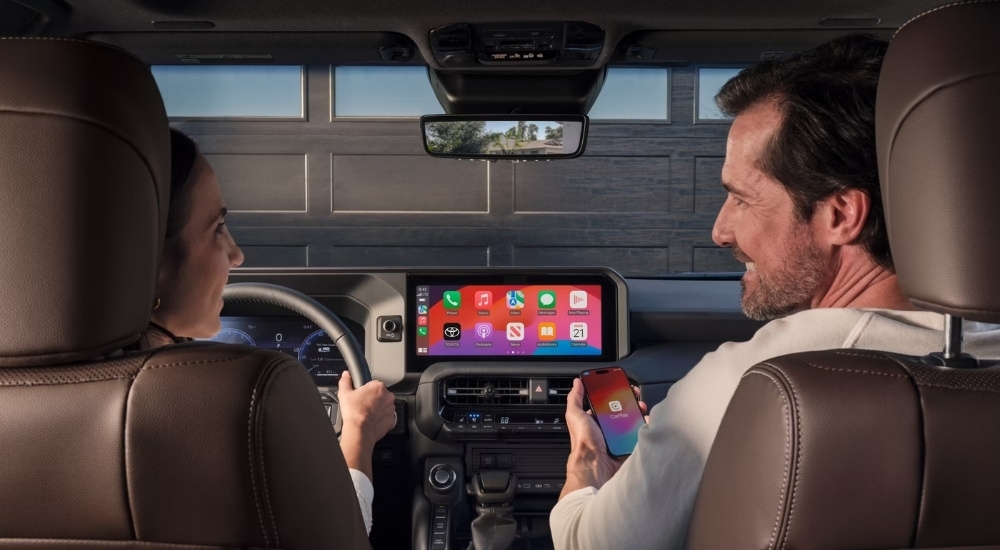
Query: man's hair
[{"x": 826, "y": 140}]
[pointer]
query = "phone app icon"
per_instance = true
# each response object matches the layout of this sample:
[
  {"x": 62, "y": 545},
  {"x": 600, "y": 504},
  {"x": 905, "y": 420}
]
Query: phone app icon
[
  {"x": 452, "y": 299},
  {"x": 515, "y": 299},
  {"x": 422, "y": 321},
  {"x": 546, "y": 331},
  {"x": 484, "y": 330},
  {"x": 422, "y": 309},
  {"x": 422, "y": 331},
  {"x": 578, "y": 332},
  {"x": 615, "y": 405},
  {"x": 578, "y": 299},
  {"x": 452, "y": 331},
  {"x": 547, "y": 299},
  {"x": 515, "y": 332},
  {"x": 484, "y": 299}
]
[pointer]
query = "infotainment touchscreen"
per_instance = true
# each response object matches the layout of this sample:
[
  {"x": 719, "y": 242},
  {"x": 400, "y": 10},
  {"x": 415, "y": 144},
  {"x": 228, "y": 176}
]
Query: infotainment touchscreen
[{"x": 531, "y": 318}]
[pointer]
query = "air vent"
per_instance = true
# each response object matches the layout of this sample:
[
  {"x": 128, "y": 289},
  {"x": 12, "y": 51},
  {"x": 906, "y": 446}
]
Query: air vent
[
  {"x": 558, "y": 390},
  {"x": 485, "y": 391}
]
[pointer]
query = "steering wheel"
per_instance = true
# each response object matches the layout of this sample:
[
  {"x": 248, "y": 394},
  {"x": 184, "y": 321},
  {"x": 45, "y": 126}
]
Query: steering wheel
[{"x": 320, "y": 315}]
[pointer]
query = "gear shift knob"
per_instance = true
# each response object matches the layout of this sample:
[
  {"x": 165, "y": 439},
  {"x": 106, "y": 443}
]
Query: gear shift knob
[{"x": 495, "y": 527}]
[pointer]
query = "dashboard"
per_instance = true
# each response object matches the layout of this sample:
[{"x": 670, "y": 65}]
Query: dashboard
[
  {"x": 294, "y": 336},
  {"x": 481, "y": 362}
]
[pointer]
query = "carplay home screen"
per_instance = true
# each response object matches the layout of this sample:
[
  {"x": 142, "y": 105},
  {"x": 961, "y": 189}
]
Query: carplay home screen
[
  {"x": 506, "y": 320},
  {"x": 617, "y": 412}
]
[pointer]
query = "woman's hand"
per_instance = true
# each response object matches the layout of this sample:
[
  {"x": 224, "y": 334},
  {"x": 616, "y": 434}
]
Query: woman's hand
[{"x": 369, "y": 413}]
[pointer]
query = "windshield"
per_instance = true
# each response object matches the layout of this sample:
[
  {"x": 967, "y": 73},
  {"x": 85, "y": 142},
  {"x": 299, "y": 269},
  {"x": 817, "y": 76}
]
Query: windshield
[{"x": 323, "y": 166}]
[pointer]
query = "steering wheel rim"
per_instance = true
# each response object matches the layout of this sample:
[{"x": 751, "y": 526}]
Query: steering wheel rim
[{"x": 308, "y": 307}]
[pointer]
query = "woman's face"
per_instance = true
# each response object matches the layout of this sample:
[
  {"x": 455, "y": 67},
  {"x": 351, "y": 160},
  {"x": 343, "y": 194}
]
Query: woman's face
[{"x": 195, "y": 270}]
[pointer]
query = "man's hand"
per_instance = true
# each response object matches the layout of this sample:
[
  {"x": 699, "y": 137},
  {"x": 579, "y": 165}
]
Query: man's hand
[
  {"x": 589, "y": 463},
  {"x": 369, "y": 413}
]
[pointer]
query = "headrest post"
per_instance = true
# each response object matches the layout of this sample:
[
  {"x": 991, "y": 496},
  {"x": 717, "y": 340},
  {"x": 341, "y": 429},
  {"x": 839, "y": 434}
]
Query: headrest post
[{"x": 952, "y": 336}]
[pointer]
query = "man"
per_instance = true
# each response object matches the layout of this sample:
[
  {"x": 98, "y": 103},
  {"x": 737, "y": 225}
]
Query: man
[{"x": 804, "y": 213}]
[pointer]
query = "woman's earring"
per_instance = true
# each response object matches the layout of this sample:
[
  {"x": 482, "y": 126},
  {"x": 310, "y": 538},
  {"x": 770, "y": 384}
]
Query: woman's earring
[{"x": 156, "y": 304}]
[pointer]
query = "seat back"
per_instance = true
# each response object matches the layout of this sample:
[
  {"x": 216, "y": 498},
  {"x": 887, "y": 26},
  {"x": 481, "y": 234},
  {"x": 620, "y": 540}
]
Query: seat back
[
  {"x": 846, "y": 449},
  {"x": 853, "y": 449},
  {"x": 204, "y": 445}
]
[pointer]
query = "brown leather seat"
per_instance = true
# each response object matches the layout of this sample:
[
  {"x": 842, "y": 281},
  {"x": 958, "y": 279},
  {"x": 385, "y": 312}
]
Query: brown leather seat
[
  {"x": 203, "y": 445},
  {"x": 849, "y": 449}
]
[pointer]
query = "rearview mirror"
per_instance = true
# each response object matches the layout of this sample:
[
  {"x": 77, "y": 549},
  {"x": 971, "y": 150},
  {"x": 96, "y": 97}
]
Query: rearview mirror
[{"x": 510, "y": 137}]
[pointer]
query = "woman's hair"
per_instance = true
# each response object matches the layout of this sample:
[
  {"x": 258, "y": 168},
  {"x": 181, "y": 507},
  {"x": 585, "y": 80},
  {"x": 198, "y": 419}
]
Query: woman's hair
[{"x": 183, "y": 154}]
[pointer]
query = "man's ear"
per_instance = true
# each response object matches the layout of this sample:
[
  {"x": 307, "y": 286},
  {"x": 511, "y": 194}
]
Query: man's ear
[{"x": 843, "y": 216}]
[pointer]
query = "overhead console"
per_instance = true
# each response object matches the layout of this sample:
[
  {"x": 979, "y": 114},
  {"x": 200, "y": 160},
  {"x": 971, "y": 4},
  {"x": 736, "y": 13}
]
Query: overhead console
[{"x": 519, "y": 44}]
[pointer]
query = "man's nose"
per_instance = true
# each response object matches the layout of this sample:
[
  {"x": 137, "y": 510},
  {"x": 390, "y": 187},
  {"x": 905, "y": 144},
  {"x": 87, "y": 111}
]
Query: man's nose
[{"x": 722, "y": 231}]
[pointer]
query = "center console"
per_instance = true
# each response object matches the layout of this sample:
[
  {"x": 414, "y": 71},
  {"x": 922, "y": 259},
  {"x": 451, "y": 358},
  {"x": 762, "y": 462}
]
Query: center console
[{"x": 497, "y": 354}]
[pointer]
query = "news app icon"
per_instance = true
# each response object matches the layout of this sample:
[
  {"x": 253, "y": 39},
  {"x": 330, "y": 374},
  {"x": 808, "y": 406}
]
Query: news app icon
[
  {"x": 616, "y": 406},
  {"x": 515, "y": 332},
  {"x": 578, "y": 299}
]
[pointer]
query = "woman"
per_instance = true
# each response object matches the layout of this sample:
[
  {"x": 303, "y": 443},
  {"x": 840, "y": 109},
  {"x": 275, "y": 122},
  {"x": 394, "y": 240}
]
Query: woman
[{"x": 197, "y": 256}]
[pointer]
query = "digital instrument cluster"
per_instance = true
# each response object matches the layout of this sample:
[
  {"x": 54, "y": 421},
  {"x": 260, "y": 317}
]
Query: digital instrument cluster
[{"x": 294, "y": 336}]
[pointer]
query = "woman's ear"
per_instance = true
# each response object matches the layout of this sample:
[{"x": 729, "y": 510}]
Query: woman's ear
[{"x": 843, "y": 216}]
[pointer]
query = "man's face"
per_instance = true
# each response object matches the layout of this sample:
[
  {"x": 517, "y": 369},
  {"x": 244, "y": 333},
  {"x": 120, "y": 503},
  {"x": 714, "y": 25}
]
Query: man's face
[{"x": 785, "y": 267}]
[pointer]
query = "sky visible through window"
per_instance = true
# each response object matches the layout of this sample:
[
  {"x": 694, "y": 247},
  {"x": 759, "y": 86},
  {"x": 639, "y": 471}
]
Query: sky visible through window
[
  {"x": 633, "y": 94},
  {"x": 220, "y": 91},
  {"x": 710, "y": 81},
  {"x": 384, "y": 92}
]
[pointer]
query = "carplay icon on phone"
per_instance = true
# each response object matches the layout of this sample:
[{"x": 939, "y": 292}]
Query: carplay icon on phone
[{"x": 615, "y": 405}]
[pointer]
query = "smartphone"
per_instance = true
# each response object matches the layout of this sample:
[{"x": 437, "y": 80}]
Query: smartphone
[{"x": 615, "y": 408}]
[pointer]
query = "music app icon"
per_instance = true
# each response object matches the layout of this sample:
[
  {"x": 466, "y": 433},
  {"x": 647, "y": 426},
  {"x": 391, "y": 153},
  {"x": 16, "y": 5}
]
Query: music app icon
[{"x": 484, "y": 299}]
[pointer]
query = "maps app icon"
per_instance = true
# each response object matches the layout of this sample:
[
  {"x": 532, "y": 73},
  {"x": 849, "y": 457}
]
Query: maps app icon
[{"x": 515, "y": 299}]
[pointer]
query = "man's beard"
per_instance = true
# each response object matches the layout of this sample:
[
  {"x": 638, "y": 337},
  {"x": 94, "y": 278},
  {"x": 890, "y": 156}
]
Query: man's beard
[{"x": 787, "y": 288}]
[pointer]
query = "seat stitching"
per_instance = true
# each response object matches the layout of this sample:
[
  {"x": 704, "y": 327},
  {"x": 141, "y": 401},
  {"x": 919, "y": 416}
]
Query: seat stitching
[
  {"x": 955, "y": 388},
  {"x": 939, "y": 8},
  {"x": 853, "y": 371},
  {"x": 263, "y": 466},
  {"x": 798, "y": 453},
  {"x": 864, "y": 355},
  {"x": 253, "y": 477},
  {"x": 57, "y": 383},
  {"x": 784, "y": 485},
  {"x": 202, "y": 362}
]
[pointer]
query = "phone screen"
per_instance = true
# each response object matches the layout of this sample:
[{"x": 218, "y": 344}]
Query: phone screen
[{"x": 615, "y": 407}]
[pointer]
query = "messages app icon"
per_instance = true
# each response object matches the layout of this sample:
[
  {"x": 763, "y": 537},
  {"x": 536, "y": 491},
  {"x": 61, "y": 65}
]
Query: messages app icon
[{"x": 546, "y": 299}]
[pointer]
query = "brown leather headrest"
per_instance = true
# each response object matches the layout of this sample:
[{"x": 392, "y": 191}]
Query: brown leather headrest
[
  {"x": 938, "y": 135},
  {"x": 84, "y": 181}
]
